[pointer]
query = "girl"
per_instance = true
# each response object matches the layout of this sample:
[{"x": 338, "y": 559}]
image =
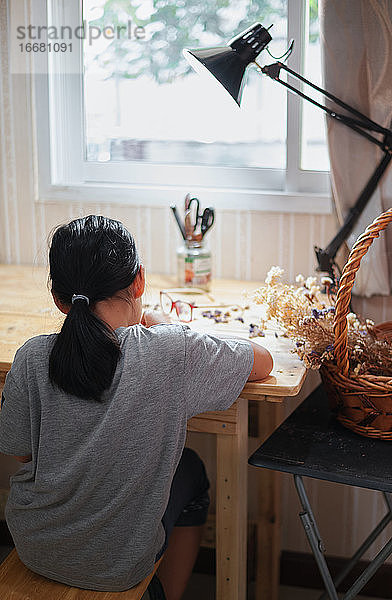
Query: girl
[{"x": 98, "y": 415}]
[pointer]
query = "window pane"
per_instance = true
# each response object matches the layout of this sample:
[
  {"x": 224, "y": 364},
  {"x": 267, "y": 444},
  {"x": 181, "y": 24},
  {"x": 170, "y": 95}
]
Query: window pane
[
  {"x": 143, "y": 103},
  {"x": 314, "y": 155}
]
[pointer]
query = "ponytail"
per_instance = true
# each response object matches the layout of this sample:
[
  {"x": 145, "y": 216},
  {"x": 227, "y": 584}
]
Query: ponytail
[
  {"x": 85, "y": 354},
  {"x": 95, "y": 256}
]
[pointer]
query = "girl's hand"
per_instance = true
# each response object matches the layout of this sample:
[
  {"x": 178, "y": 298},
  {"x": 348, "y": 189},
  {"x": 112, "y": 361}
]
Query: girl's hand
[{"x": 154, "y": 317}]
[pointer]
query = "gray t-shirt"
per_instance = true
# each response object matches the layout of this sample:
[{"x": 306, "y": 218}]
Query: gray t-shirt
[{"x": 87, "y": 509}]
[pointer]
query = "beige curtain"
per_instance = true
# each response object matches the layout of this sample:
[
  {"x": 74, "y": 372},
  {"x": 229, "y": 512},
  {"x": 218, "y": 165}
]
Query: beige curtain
[{"x": 356, "y": 38}]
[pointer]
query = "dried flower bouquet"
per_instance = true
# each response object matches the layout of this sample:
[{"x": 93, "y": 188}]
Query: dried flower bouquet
[{"x": 306, "y": 316}]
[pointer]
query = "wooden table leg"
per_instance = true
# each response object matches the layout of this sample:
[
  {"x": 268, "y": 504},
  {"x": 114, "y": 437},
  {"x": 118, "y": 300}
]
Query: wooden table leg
[
  {"x": 270, "y": 416},
  {"x": 231, "y": 509}
]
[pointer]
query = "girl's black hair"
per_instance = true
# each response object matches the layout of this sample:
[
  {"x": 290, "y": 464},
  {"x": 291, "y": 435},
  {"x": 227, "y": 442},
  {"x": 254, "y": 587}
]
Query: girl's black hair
[{"x": 94, "y": 256}]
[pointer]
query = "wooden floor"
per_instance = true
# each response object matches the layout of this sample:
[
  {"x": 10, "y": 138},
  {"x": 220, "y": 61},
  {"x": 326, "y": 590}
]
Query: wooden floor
[{"x": 203, "y": 586}]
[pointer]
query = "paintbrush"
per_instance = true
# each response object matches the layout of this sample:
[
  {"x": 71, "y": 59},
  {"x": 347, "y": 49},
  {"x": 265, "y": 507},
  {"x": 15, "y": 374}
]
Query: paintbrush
[{"x": 179, "y": 222}]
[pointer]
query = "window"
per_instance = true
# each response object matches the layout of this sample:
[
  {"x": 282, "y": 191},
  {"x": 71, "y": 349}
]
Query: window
[
  {"x": 135, "y": 115},
  {"x": 143, "y": 102}
]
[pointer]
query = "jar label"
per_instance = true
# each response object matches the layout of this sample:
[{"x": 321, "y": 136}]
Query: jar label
[{"x": 195, "y": 271}]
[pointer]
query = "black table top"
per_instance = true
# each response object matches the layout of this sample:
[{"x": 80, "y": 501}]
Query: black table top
[{"x": 312, "y": 443}]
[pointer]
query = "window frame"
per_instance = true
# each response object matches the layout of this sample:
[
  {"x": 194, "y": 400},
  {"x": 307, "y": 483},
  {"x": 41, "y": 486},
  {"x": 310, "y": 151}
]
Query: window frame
[{"x": 63, "y": 174}]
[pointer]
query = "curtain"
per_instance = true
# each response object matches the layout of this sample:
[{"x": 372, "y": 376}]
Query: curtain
[{"x": 356, "y": 41}]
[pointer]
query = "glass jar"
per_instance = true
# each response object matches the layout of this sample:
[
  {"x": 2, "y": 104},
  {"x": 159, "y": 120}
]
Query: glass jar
[{"x": 194, "y": 266}]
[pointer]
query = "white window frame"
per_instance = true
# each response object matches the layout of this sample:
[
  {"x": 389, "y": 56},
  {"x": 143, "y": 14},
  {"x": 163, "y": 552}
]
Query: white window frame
[{"x": 63, "y": 174}]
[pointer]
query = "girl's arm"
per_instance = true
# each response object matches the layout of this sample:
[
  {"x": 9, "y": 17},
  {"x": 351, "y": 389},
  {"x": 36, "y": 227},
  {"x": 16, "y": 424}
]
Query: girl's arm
[
  {"x": 263, "y": 363},
  {"x": 154, "y": 317}
]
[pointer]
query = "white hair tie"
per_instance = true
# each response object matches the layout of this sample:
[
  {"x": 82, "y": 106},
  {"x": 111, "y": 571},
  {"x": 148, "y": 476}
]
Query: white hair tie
[{"x": 80, "y": 297}]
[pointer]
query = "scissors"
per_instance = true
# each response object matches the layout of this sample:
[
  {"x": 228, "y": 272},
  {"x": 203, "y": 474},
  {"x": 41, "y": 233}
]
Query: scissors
[{"x": 207, "y": 220}]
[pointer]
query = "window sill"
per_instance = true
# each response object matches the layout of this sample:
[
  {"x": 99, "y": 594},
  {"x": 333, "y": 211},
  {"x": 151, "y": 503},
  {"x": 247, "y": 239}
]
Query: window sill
[{"x": 160, "y": 196}]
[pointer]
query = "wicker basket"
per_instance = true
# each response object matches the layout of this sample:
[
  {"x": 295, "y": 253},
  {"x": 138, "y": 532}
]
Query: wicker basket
[{"x": 363, "y": 402}]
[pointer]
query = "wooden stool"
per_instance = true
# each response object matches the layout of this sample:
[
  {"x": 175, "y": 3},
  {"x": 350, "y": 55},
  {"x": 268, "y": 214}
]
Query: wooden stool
[{"x": 17, "y": 582}]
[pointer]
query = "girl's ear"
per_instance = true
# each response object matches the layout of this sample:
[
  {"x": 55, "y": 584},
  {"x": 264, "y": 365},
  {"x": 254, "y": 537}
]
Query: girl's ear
[
  {"x": 64, "y": 309},
  {"x": 139, "y": 283}
]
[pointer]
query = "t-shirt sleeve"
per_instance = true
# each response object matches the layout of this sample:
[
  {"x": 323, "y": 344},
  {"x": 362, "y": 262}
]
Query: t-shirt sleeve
[
  {"x": 216, "y": 370},
  {"x": 15, "y": 428}
]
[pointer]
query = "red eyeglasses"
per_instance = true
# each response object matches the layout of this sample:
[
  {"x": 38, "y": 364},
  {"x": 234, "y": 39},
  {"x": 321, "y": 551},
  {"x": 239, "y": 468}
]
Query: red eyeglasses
[{"x": 184, "y": 310}]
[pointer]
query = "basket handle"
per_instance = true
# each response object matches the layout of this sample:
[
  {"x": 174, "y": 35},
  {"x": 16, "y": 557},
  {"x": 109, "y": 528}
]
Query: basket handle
[{"x": 347, "y": 279}]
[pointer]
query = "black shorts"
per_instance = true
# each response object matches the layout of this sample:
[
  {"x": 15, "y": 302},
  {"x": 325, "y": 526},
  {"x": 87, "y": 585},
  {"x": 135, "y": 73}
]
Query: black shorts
[{"x": 189, "y": 500}]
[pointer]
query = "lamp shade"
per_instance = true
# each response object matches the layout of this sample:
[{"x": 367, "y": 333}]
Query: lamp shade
[{"x": 228, "y": 63}]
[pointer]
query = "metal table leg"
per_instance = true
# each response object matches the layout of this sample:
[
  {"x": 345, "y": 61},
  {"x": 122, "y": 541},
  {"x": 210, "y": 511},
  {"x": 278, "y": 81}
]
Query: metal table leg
[
  {"x": 365, "y": 546},
  {"x": 317, "y": 546},
  {"x": 314, "y": 537}
]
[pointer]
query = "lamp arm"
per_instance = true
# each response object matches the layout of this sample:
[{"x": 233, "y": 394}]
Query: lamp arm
[
  {"x": 326, "y": 258},
  {"x": 357, "y": 125},
  {"x": 371, "y": 125}
]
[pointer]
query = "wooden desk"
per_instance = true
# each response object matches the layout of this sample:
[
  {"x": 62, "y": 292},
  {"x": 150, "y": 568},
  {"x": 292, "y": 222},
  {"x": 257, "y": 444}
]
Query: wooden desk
[{"x": 26, "y": 309}]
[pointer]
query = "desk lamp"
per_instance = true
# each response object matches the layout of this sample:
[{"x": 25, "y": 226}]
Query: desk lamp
[{"x": 228, "y": 65}]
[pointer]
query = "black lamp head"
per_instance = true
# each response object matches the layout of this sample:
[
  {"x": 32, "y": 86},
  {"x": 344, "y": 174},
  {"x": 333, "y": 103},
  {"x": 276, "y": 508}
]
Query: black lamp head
[{"x": 228, "y": 63}]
